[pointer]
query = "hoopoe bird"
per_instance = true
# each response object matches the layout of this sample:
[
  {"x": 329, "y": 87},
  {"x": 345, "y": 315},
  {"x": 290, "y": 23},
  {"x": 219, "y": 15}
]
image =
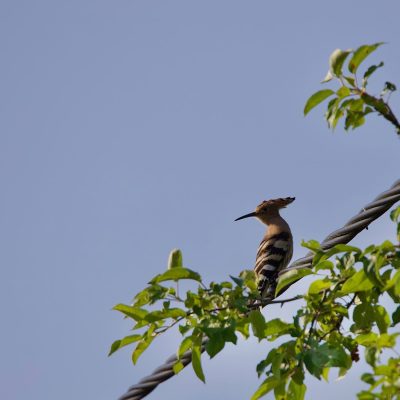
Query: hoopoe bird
[{"x": 276, "y": 248}]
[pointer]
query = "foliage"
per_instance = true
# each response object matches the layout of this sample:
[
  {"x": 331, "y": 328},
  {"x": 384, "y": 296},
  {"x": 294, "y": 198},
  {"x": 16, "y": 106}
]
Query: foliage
[
  {"x": 341, "y": 313},
  {"x": 352, "y": 101}
]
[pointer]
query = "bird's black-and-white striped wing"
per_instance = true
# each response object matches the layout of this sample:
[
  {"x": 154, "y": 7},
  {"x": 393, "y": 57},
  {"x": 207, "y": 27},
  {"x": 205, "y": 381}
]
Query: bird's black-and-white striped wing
[{"x": 273, "y": 255}]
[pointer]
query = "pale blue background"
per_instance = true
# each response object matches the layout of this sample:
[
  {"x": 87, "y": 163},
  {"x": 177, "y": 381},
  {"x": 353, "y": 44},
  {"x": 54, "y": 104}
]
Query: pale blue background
[{"x": 132, "y": 127}]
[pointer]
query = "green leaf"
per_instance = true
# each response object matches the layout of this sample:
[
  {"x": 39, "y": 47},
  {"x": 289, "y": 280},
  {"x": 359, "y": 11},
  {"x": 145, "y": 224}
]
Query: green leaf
[
  {"x": 175, "y": 259},
  {"x": 395, "y": 214},
  {"x": 123, "y": 342},
  {"x": 339, "y": 248},
  {"x": 325, "y": 373},
  {"x": 173, "y": 313},
  {"x": 367, "y": 339},
  {"x": 291, "y": 276},
  {"x": 343, "y": 248},
  {"x": 332, "y": 108},
  {"x": 148, "y": 337},
  {"x": 396, "y": 316},
  {"x": 229, "y": 334},
  {"x": 328, "y": 77},
  {"x": 136, "y": 313},
  {"x": 276, "y": 327},
  {"x": 395, "y": 282},
  {"x": 383, "y": 370},
  {"x": 315, "y": 361},
  {"x": 276, "y": 365},
  {"x": 295, "y": 391},
  {"x": 386, "y": 246},
  {"x": 387, "y": 340},
  {"x": 344, "y": 91},
  {"x": 371, "y": 355},
  {"x": 371, "y": 269},
  {"x": 389, "y": 87},
  {"x": 298, "y": 375},
  {"x": 262, "y": 365},
  {"x": 359, "y": 282},
  {"x": 322, "y": 265},
  {"x": 354, "y": 120},
  {"x": 316, "y": 99},
  {"x": 370, "y": 71},
  {"x": 150, "y": 295},
  {"x": 167, "y": 304},
  {"x": 280, "y": 390},
  {"x": 257, "y": 323},
  {"x": 214, "y": 345},
  {"x": 368, "y": 378},
  {"x": 177, "y": 367},
  {"x": 226, "y": 285},
  {"x": 360, "y": 54},
  {"x": 247, "y": 274},
  {"x": 312, "y": 245},
  {"x": 238, "y": 281},
  {"x": 269, "y": 360},
  {"x": 243, "y": 327},
  {"x": 363, "y": 316},
  {"x": 319, "y": 285},
  {"x": 336, "y": 61},
  {"x": 328, "y": 355},
  {"x": 196, "y": 362},
  {"x": 382, "y": 318},
  {"x": 249, "y": 279},
  {"x": 337, "y": 357},
  {"x": 334, "y": 118},
  {"x": 185, "y": 345},
  {"x": 342, "y": 372},
  {"x": 140, "y": 325},
  {"x": 140, "y": 348},
  {"x": 364, "y": 395},
  {"x": 176, "y": 274},
  {"x": 350, "y": 80},
  {"x": 269, "y": 384}
]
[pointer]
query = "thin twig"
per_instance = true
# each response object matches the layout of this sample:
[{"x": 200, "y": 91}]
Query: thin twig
[
  {"x": 265, "y": 302},
  {"x": 316, "y": 315},
  {"x": 339, "y": 323}
]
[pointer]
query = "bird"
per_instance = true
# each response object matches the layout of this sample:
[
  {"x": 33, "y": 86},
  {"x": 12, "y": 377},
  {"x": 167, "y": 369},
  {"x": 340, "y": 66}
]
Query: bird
[{"x": 276, "y": 248}]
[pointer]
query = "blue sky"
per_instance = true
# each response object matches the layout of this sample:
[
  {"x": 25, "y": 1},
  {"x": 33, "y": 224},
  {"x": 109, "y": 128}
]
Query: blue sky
[{"x": 129, "y": 128}]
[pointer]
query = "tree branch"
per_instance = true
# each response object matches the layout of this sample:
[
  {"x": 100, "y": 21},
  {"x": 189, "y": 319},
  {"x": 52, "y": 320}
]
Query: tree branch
[{"x": 265, "y": 302}]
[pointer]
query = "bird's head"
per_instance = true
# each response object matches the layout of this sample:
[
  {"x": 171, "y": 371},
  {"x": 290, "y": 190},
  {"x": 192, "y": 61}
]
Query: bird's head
[{"x": 268, "y": 209}]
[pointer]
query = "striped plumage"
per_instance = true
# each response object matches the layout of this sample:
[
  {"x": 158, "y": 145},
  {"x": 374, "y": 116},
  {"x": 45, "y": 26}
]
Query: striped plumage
[
  {"x": 276, "y": 248},
  {"x": 273, "y": 255}
]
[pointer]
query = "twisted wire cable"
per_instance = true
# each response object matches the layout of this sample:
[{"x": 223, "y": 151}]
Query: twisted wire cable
[
  {"x": 355, "y": 225},
  {"x": 147, "y": 384}
]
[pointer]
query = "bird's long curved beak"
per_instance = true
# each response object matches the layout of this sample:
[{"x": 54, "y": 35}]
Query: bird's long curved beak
[{"x": 252, "y": 214}]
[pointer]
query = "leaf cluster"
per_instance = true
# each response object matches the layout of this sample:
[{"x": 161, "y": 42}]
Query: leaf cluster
[
  {"x": 352, "y": 101},
  {"x": 218, "y": 311}
]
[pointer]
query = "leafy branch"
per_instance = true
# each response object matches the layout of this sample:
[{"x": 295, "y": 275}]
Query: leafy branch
[
  {"x": 352, "y": 101},
  {"x": 325, "y": 333}
]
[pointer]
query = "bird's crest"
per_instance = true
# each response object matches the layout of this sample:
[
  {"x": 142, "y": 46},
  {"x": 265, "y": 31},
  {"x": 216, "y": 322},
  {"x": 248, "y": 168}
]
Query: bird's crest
[{"x": 275, "y": 203}]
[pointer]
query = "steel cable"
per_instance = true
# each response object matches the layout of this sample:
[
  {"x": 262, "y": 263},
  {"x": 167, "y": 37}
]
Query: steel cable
[{"x": 355, "y": 225}]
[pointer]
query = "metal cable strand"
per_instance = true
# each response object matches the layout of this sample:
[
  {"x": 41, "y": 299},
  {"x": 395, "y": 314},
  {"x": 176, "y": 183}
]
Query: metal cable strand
[
  {"x": 159, "y": 375},
  {"x": 355, "y": 225}
]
